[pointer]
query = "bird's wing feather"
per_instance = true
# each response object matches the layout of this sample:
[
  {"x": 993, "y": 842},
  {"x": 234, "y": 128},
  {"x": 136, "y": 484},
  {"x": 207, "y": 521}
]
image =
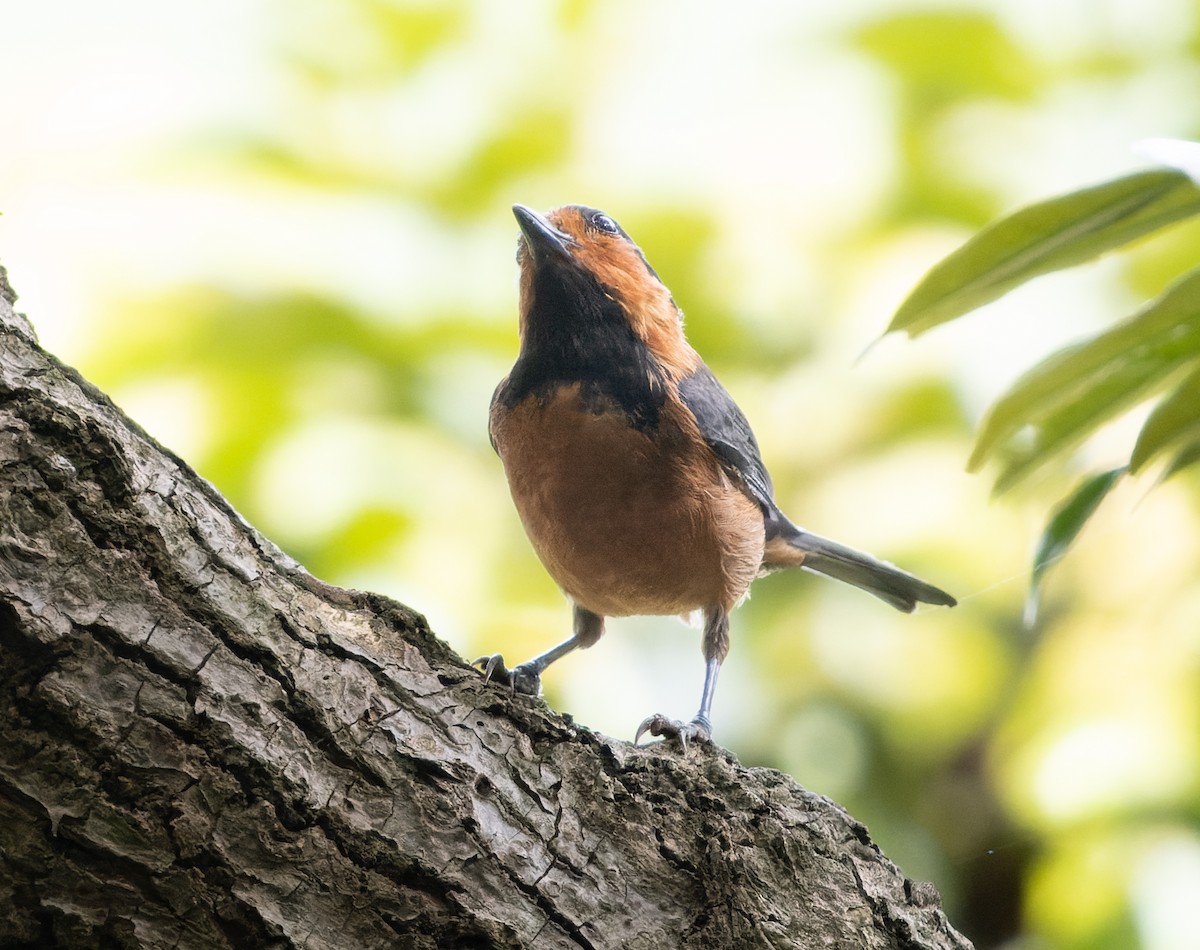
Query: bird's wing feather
[{"x": 728, "y": 434}]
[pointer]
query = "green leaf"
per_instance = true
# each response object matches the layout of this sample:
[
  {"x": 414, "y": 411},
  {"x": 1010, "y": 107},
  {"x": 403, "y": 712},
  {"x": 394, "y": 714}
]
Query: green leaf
[
  {"x": 1074, "y": 422},
  {"x": 1043, "y": 237},
  {"x": 1064, "y": 527},
  {"x": 1075, "y": 389},
  {"x": 1175, "y": 419},
  {"x": 1187, "y": 456}
]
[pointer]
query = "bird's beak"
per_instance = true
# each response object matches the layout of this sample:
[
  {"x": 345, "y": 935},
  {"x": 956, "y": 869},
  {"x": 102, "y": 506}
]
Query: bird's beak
[{"x": 542, "y": 237}]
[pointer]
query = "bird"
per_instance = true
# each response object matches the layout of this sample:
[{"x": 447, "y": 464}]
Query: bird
[{"x": 637, "y": 478}]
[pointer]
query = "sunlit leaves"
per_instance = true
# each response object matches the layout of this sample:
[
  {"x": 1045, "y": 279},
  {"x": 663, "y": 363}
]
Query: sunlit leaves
[
  {"x": 1064, "y": 527},
  {"x": 1062, "y": 400},
  {"x": 1067, "y": 396},
  {"x": 1174, "y": 423},
  {"x": 1044, "y": 237}
]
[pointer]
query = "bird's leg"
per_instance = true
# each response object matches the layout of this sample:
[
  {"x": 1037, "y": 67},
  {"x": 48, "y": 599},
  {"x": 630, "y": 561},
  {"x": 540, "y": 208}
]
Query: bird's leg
[
  {"x": 716, "y": 646},
  {"x": 527, "y": 677}
]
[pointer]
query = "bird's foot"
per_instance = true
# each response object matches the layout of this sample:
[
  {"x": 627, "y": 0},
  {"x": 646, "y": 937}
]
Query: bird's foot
[
  {"x": 698, "y": 730},
  {"x": 520, "y": 679}
]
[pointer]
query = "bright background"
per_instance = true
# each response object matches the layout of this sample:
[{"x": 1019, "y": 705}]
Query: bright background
[{"x": 279, "y": 235}]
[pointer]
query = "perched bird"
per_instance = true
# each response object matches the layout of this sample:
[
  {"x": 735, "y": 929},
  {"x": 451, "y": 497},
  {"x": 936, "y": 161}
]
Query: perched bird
[{"x": 636, "y": 476}]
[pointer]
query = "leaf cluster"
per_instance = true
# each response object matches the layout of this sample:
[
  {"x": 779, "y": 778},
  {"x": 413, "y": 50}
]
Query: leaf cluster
[{"x": 1154, "y": 354}]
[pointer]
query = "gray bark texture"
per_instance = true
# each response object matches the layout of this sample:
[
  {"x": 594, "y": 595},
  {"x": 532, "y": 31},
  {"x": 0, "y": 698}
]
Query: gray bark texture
[{"x": 203, "y": 746}]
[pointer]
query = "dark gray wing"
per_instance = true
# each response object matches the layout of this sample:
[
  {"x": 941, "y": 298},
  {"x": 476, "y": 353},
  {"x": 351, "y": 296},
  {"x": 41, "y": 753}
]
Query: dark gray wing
[{"x": 729, "y": 435}]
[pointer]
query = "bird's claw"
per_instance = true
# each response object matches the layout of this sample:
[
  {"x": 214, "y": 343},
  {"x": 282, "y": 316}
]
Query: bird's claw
[
  {"x": 698, "y": 730},
  {"x": 520, "y": 679}
]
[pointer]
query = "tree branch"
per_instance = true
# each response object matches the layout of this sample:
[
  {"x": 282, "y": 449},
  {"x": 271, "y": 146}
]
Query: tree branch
[{"x": 203, "y": 746}]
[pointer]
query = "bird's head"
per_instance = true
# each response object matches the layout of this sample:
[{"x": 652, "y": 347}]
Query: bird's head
[{"x": 579, "y": 266}]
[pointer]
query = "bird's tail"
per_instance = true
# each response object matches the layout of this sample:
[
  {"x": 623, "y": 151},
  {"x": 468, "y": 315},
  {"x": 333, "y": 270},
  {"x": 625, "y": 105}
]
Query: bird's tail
[{"x": 795, "y": 547}]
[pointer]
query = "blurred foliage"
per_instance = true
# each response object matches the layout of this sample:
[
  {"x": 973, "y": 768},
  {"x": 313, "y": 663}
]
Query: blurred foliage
[
  {"x": 942, "y": 59},
  {"x": 325, "y": 351}
]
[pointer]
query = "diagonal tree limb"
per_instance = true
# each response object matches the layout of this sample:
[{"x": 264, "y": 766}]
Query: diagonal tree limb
[{"x": 203, "y": 746}]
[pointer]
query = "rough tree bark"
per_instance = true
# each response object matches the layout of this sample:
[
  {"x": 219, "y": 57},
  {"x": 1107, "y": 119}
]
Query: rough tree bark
[{"x": 203, "y": 746}]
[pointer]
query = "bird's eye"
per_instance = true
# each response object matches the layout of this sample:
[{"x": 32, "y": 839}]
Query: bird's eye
[{"x": 602, "y": 222}]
